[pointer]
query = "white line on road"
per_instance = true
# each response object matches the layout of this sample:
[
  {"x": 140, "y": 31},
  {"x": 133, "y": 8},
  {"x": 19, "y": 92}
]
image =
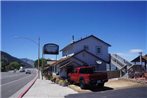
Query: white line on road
[
  {"x": 4, "y": 77},
  {"x": 15, "y": 81}
]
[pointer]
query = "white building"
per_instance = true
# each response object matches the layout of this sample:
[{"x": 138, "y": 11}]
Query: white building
[{"x": 89, "y": 51}]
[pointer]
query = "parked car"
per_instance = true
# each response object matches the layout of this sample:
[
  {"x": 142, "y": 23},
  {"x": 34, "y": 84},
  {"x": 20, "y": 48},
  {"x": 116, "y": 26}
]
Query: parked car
[
  {"x": 28, "y": 72},
  {"x": 86, "y": 76}
]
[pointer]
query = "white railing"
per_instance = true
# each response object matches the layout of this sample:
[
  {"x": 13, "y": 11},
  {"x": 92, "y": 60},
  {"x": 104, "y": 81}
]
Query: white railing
[{"x": 122, "y": 60}]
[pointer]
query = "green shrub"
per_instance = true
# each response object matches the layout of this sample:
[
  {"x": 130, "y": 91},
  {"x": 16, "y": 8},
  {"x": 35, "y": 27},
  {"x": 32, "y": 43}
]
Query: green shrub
[
  {"x": 63, "y": 82},
  {"x": 60, "y": 82},
  {"x": 57, "y": 80}
]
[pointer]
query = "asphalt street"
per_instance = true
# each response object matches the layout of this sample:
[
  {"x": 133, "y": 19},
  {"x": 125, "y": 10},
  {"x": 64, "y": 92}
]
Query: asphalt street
[
  {"x": 137, "y": 92},
  {"x": 12, "y": 82}
]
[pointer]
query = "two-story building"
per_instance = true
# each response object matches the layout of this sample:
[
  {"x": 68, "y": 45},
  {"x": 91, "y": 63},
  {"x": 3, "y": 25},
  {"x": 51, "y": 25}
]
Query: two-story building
[{"x": 89, "y": 51}]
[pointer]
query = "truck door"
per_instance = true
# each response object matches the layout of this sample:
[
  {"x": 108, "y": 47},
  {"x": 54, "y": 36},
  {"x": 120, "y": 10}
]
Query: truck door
[{"x": 75, "y": 75}]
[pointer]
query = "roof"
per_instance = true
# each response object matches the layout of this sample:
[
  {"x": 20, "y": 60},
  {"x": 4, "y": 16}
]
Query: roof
[
  {"x": 145, "y": 56},
  {"x": 85, "y": 39},
  {"x": 51, "y": 61},
  {"x": 61, "y": 60},
  {"x": 68, "y": 57},
  {"x": 85, "y": 66},
  {"x": 137, "y": 59}
]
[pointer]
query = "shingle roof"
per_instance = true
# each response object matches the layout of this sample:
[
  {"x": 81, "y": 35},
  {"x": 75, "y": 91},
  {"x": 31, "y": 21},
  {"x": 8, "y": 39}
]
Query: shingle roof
[
  {"x": 84, "y": 39},
  {"x": 61, "y": 60}
]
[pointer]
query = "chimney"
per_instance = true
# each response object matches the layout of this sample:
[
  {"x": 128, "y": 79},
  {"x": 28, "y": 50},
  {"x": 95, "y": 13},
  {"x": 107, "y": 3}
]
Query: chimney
[{"x": 73, "y": 39}]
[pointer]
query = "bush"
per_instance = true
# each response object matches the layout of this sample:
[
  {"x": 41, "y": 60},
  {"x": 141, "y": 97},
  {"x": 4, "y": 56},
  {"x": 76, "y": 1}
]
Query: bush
[
  {"x": 60, "y": 81},
  {"x": 63, "y": 82},
  {"x": 14, "y": 65},
  {"x": 57, "y": 80},
  {"x": 53, "y": 79}
]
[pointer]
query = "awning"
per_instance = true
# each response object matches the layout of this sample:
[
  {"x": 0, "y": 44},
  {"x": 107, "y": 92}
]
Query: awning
[{"x": 65, "y": 64}]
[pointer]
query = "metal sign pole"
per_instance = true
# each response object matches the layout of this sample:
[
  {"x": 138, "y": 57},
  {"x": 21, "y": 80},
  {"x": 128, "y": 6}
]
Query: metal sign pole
[
  {"x": 49, "y": 48},
  {"x": 39, "y": 57},
  {"x": 42, "y": 63}
]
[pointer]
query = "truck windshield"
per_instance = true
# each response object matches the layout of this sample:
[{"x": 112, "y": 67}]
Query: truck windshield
[{"x": 86, "y": 70}]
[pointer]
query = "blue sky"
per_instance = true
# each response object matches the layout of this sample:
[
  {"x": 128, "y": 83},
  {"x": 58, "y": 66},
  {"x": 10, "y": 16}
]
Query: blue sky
[{"x": 121, "y": 24}]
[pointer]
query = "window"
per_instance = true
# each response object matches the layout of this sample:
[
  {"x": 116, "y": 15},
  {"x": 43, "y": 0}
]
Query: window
[
  {"x": 98, "y": 49},
  {"x": 86, "y": 70},
  {"x": 86, "y": 47}
]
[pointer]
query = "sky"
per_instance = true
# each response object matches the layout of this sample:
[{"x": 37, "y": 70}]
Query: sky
[{"x": 121, "y": 24}]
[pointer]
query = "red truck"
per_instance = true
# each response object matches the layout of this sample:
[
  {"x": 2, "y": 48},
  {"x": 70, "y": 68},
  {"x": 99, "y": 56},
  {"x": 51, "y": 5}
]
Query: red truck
[{"x": 85, "y": 75}]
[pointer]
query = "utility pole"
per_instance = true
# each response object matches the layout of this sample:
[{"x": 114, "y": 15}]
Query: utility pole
[{"x": 42, "y": 63}]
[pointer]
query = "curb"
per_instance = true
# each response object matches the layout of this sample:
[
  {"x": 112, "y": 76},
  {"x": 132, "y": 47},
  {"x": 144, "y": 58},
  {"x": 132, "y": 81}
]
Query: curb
[{"x": 26, "y": 90}]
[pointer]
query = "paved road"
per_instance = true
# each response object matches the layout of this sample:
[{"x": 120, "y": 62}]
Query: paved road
[
  {"x": 12, "y": 82},
  {"x": 137, "y": 92}
]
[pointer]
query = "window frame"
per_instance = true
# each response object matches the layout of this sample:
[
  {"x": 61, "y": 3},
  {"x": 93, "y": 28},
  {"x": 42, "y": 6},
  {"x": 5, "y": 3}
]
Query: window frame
[
  {"x": 86, "y": 47},
  {"x": 100, "y": 49}
]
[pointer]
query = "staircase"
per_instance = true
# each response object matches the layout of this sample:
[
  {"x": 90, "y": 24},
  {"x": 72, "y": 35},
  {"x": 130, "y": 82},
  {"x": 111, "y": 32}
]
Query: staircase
[{"x": 120, "y": 63}]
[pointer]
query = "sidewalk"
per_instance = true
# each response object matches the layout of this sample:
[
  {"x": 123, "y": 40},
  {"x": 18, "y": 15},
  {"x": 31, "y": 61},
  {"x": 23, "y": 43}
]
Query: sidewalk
[{"x": 47, "y": 89}]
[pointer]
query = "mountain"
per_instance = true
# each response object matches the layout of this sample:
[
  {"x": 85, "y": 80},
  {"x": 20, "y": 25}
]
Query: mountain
[
  {"x": 7, "y": 58},
  {"x": 29, "y": 61}
]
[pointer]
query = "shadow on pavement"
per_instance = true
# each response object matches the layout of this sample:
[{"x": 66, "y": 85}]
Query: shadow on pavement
[
  {"x": 137, "y": 92},
  {"x": 96, "y": 89},
  {"x": 92, "y": 94}
]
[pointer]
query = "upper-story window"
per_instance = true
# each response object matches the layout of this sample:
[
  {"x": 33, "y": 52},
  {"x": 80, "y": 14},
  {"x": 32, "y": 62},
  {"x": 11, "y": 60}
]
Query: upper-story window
[
  {"x": 98, "y": 49},
  {"x": 86, "y": 47}
]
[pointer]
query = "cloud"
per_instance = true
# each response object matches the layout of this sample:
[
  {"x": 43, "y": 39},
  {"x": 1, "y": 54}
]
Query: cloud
[
  {"x": 121, "y": 54},
  {"x": 136, "y": 50}
]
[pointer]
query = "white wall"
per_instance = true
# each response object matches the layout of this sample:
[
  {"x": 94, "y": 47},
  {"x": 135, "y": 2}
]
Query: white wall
[
  {"x": 91, "y": 60},
  {"x": 92, "y": 43}
]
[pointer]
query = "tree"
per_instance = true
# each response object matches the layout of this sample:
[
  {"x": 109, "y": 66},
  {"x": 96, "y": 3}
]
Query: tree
[
  {"x": 14, "y": 65},
  {"x": 40, "y": 62},
  {"x": 4, "y": 64}
]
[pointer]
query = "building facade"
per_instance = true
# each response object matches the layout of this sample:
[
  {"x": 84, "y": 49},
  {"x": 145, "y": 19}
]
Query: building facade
[{"x": 89, "y": 51}]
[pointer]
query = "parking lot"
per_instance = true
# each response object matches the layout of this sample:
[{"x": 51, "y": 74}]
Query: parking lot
[{"x": 110, "y": 85}]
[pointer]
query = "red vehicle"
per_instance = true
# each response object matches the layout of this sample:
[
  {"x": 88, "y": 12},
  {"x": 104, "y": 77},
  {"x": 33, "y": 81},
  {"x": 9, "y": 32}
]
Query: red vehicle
[{"x": 85, "y": 75}]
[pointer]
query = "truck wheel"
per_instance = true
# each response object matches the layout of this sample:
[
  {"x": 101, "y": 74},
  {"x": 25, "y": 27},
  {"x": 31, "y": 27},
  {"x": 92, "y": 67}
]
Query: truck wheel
[{"x": 82, "y": 84}]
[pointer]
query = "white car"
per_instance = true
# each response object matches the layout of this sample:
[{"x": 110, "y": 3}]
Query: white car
[{"x": 28, "y": 72}]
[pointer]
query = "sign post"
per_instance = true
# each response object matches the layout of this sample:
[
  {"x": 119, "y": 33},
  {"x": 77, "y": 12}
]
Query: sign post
[{"x": 49, "y": 48}]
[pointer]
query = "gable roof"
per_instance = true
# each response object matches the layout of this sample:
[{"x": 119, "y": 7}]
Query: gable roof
[
  {"x": 97, "y": 57},
  {"x": 67, "y": 58},
  {"x": 137, "y": 59},
  {"x": 73, "y": 56},
  {"x": 85, "y": 39},
  {"x": 145, "y": 57}
]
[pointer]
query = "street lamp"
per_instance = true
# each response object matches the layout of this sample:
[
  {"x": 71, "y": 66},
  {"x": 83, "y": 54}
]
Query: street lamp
[{"x": 38, "y": 44}]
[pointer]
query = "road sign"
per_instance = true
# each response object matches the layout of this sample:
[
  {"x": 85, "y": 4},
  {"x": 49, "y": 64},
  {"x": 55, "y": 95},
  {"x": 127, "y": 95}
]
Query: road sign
[{"x": 51, "y": 48}]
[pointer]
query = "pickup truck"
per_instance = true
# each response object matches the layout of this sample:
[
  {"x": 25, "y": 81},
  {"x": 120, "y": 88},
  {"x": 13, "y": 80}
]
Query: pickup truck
[{"x": 85, "y": 75}]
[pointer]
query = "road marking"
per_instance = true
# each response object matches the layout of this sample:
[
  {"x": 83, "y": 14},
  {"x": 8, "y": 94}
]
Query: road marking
[
  {"x": 15, "y": 81},
  {"x": 11, "y": 76}
]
